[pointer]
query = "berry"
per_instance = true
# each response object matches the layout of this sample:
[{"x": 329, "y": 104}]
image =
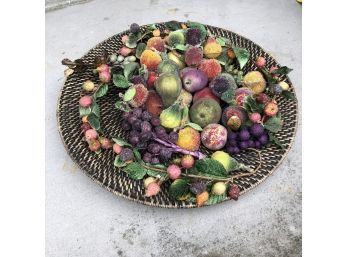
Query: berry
[
  {"x": 255, "y": 117},
  {"x": 117, "y": 148},
  {"x": 230, "y": 149},
  {"x": 187, "y": 161},
  {"x": 198, "y": 187},
  {"x": 211, "y": 67},
  {"x": 232, "y": 136},
  {"x": 218, "y": 188},
  {"x": 271, "y": 109},
  {"x": 84, "y": 127},
  {"x": 134, "y": 28},
  {"x": 263, "y": 139},
  {"x": 193, "y": 56},
  {"x": 141, "y": 144},
  {"x": 152, "y": 189},
  {"x": 105, "y": 143},
  {"x": 148, "y": 181},
  {"x": 94, "y": 145},
  {"x": 202, "y": 198},
  {"x": 234, "y": 192},
  {"x": 258, "y": 145},
  {"x": 125, "y": 115},
  {"x": 154, "y": 160},
  {"x": 193, "y": 36},
  {"x": 156, "y": 33},
  {"x": 163, "y": 137},
  {"x": 131, "y": 119},
  {"x": 105, "y": 76},
  {"x": 137, "y": 79},
  {"x": 91, "y": 134},
  {"x": 102, "y": 68},
  {"x": 159, "y": 130},
  {"x": 285, "y": 86},
  {"x": 85, "y": 101},
  {"x": 145, "y": 136},
  {"x": 147, "y": 157},
  {"x": 145, "y": 126},
  {"x": 137, "y": 112},
  {"x": 126, "y": 155},
  {"x": 124, "y": 51},
  {"x": 154, "y": 148},
  {"x": 173, "y": 137},
  {"x": 251, "y": 143},
  {"x": 88, "y": 86},
  {"x": 133, "y": 139},
  {"x": 244, "y": 135},
  {"x": 155, "y": 121},
  {"x": 233, "y": 142},
  {"x": 256, "y": 130},
  {"x": 146, "y": 116},
  {"x": 140, "y": 97},
  {"x": 165, "y": 154},
  {"x": 136, "y": 125},
  {"x": 260, "y": 62},
  {"x": 276, "y": 89},
  {"x": 125, "y": 126},
  {"x": 174, "y": 171},
  {"x": 244, "y": 145},
  {"x": 262, "y": 98}
]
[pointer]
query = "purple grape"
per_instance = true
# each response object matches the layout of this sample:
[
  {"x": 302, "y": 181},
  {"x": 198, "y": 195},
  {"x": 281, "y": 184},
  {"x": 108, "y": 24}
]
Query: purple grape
[
  {"x": 146, "y": 126},
  {"x": 146, "y": 116},
  {"x": 137, "y": 112},
  {"x": 125, "y": 115},
  {"x": 164, "y": 137},
  {"x": 131, "y": 119},
  {"x": 198, "y": 187},
  {"x": 145, "y": 136},
  {"x": 230, "y": 149},
  {"x": 141, "y": 145},
  {"x": 256, "y": 130},
  {"x": 244, "y": 135},
  {"x": 159, "y": 130},
  {"x": 251, "y": 143},
  {"x": 155, "y": 121},
  {"x": 243, "y": 145},
  {"x": 154, "y": 160},
  {"x": 263, "y": 139},
  {"x": 165, "y": 154},
  {"x": 125, "y": 125},
  {"x": 173, "y": 137},
  {"x": 134, "y": 140},
  {"x": 232, "y": 136},
  {"x": 233, "y": 142},
  {"x": 154, "y": 148},
  {"x": 134, "y": 132},
  {"x": 126, "y": 154},
  {"x": 258, "y": 145},
  {"x": 235, "y": 150},
  {"x": 136, "y": 125},
  {"x": 147, "y": 157}
]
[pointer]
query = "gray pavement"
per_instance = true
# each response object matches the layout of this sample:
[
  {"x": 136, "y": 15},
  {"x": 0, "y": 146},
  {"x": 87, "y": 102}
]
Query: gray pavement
[{"x": 83, "y": 219}]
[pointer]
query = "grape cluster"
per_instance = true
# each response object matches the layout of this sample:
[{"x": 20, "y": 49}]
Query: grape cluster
[
  {"x": 143, "y": 129},
  {"x": 248, "y": 137}
]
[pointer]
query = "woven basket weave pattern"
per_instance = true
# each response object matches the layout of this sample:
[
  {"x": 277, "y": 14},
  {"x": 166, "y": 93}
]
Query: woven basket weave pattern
[{"x": 100, "y": 167}]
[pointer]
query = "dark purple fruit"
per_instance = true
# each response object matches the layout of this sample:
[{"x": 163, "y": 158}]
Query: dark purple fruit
[
  {"x": 256, "y": 130},
  {"x": 243, "y": 145},
  {"x": 134, "y": 140},
  {"x": 134, "y": 28},
  {"x": 244, "y": 135},
  {"x": 125, "y": 125},
  {"x": 137, "y": 112},
  {"x": 198, "y": 187},
  {"x": 155, "y": 121},
  {"x": 263, "y": 139},
  {"x": 155, "y": 160},
  {"x": 173, "y": 137},
  {"x": 147, "y": 157},
  {"x": 146, "y": 126},
  {"x": 232, "y": 136},
  {"x": 126, "y": 155},
  {"x": 146, "y": 116},
  {"x": 234, "y": 192},
  {"x": 154, "y": 148},
  {"x": 136, "y": 125}
]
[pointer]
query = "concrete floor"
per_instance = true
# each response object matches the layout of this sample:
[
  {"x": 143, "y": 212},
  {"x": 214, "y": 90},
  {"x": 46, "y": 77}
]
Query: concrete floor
[{"x": 83, "y": 219}]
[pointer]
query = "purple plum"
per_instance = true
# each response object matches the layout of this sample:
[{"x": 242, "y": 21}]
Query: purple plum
[{"x": 193, "y": 79}]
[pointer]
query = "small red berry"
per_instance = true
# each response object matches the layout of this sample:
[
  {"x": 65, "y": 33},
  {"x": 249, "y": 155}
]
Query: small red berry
[
  {"x": 117, "y": 148},
  {"x": 91, "y": 134},
  {"x": 103, "y": 67},
  {"x": 85, "y": 127},
  {"x": 262, "y": 98},
  {"x": 152, "y": 189},
  {"x": 105, "y": 143},
  {"x": 174, "y": 171},
  {"x": 260, "y": 62},
  {"x": 271, "y": 109},
  {"x": 85, "y": 101},
  {"x": 255, "y": 117},
  {"x": 234, "y": 192},
  {"x": 94, "y": 145},
  {"x": 187, "y": 161},
  {"x": 105, "y": 76}
]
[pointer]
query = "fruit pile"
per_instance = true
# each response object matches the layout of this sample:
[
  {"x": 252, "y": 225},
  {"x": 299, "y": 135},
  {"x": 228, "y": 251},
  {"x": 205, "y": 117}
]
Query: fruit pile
[{"x": 184, "y": 90}]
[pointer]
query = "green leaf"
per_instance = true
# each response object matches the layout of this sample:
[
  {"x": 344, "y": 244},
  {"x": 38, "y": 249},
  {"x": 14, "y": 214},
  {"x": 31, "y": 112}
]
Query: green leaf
[
  {"x": 132, "y": 40},
  {"x": 220, "y": 41},
  {"x": 143, "y": 71},
  {"x": 154, "y": 173},
  {"x": 151, "y": 27},
  {"x": 196, "y": 25},
  {"x": 208, "y": 167},
  {"x": 282, "y": 71},
  {"x": 120, "y": 141},
  {"x": 274, "y": 124},
  {"x": 173, "y": 25},
  {"x": 214, "y": 199},
  {"x": 93, "y": 120},
  {"x": 274, "y": 140},
  {"x": 119, "y": 163},
  {"x": 228, "y": 95},
  {"x": 137, "y": 155},
  {"x": 95, "y": 109},
  {"x": 120, "y": 81},
  {"x": 181, "y": 47},
  {"x": 129, "y": 94},
  {"x": 242, "y": 56},
  {"x": 288, "y": 95},
  {"x": 223, "y": 58},
  {"x": 135, "y": 171},
  {"x": 194, "y": 126},
  {"x": 129, "y": 69},
  {"x": 140, "y": 49},
  {"x": 178, "y": 188},
  {"x": 123, "y": 106},
  {"x": 102, "y": 90},
  {"x": 84, "y": 111},
  {"x": 251, "y": 105},
  {"x": 269, "y": 78}
]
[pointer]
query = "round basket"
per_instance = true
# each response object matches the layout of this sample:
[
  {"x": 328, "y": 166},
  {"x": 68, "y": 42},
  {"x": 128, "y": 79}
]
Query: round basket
[{"x": 100, "y": 167}]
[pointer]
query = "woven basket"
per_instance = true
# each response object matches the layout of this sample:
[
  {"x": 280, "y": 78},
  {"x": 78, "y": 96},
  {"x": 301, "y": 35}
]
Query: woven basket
[{"x": 100, "y": 167}]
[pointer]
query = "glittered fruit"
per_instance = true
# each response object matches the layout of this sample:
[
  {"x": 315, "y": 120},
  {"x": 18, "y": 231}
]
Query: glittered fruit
[
  {"x": 105, "y": 76},
  {"x": 234, "y": 192},
  {"x": 234, "y": 111},
  {"x": 84, "y": 127},
  {"x": 214, "y": 136},
  {"x": 94, "y": 145},
  {"x": 271, "y": 109},
  {"x": 193, "y": 79},
  {"x": 262, "y": 98},
  {"x": 157, "y": 43},
  {"x": 187, "y": 161},
  {"x": 85, "y": 101},
  {"x": 124, "y": 51},
  {"x": 140, "y": 97},
  {"x": 224, "y": 158},
  {"x": 241, "y": 94},
  {"x": 285, "y": 86},
  {"x": 222, "y": 83},
  {"x": 205, "y": 92},
  {"x": 234, "y": 122},
  {"x": 211, "y": 67},
  {"x": 212, "y": 49},
  {"x": 168, "y": 86},
  {"x": 151, "y": 79},
  {"x": 167, "y": 66},
  {"x": 255, "y": 117},
  {"x": 156, "y": 33},
  {"x": 171, "y": 116},
  {"x": 205, "y": 111},
  {"x": 148, "y": 181},
  {"x": 189, "y": 139},
  {"x": 193, "y": 36},
  {"x": 103, "y": 67},
  {"x": 219, "y": 188},
  {"x": 88, "y": 86},
  {"x": 193, "y": 56},
  {"x": 117, "y": 148},
  {"x": 202, "y": 198},
  {"x": 255, "y": 81},
  {"x": 260, "y": 62},
  {"x": 176, "y": 37},
  {"x": 105, "y": 142},
  {"x": 152, "y": 189},
  {"x": 173, "y": 171},
  {"x": 154, "y": 103},
  {"x": 91, "y": 134},
  {"x": 177, "y": 58},
  {"x": 185, "y": 97},
  {"x": 151, "y": 59}
]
